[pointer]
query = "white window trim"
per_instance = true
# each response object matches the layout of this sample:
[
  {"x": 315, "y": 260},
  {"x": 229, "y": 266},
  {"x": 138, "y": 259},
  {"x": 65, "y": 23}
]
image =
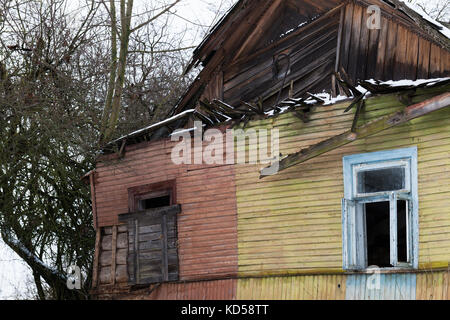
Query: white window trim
[
  {"x": 355, "y": 252},
  {"x": 405, "y": 163}
]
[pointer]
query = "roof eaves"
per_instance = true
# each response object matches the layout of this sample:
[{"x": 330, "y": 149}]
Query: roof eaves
[
  {"x": 195, "y": 60},
  {"x": 433, "y": 28}
]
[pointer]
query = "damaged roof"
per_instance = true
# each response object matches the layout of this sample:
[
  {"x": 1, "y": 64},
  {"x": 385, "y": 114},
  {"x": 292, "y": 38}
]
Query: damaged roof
[
  {"x": 218, "y": 112},
  {"x": 207, "y": 47},
  {"x": 233, "y": 28},
  {"x": 237, "y": 16},
  {"x": 244, "y": 15}
]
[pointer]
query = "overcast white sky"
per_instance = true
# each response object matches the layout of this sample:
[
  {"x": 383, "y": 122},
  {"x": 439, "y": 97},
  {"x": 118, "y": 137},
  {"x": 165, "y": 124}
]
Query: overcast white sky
[{"x": 13, "y": 272}]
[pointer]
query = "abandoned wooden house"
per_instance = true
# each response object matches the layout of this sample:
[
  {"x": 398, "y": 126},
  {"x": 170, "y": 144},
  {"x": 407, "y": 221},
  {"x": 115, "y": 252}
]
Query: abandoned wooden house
[{"x": 363, "y": 174}]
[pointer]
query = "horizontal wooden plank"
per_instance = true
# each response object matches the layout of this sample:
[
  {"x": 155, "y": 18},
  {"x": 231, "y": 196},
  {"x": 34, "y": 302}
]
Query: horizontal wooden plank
[{"x": 150, "y": 214}]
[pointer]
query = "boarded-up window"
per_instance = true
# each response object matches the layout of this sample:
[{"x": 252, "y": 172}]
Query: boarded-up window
[{"x": 152, "y": 236}]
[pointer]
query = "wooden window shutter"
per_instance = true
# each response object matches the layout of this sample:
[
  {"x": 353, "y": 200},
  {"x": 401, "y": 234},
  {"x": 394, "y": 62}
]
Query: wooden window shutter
[
  {"x": 353, "y": 235},
  {"x": 152, "y": 237}
]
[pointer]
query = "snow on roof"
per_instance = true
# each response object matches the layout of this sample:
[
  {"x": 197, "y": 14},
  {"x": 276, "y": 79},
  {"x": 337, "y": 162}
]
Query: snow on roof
[
  {"x": 304, "y": 23},
  {"x": 364, "y": 88},
  {"x": 412, "y": 83},
  {"x": 442, "y": 29},
  {"x": 325, "y": 98},
  {"x": 155, "y": 125}
]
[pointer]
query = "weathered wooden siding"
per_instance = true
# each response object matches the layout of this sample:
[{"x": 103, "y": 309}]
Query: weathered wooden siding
[
  {"x": 201, "y": 290},
  {"x": 314, "y": 287},
  {"x": 207, "y": 228},
  {"x": 113, "y": 250},
  {"x": 291, "y": 222},
  {"x": 390, "y": 287},
  {"x": 433, "y": 285},
  {"x": 393, "y": 52},
  {"x": 207, "y": 232}
]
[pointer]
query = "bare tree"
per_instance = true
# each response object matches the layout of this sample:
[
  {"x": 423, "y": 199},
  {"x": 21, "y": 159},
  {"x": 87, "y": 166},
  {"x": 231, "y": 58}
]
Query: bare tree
[
  {"x": 69, "y": 75},
  {"x": 120, "y": 40},
  {"x": 48, "y": 111},
  {"x": 437, "y": 9}
]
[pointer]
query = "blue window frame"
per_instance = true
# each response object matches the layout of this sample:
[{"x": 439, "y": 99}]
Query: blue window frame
[{"x": 380, "y": 185}]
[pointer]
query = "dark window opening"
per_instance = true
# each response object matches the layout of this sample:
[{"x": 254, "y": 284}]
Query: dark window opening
[
  {"x": 380, "y": 180},
  {"x": 378, "y": 240},
  {"x": 378, "y": 233},
  {"x": 152, "y": 203}
]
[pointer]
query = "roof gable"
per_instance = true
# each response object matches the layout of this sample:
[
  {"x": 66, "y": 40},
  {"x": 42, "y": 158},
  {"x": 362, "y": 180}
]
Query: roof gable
[
  {"x": 264, "y": 53},
  {"x": 282, "y": 17},
  {"x": 277, "y": 18}
]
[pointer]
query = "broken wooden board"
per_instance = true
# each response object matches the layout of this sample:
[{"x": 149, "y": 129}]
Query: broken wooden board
[{"x": 411, "y": 112}]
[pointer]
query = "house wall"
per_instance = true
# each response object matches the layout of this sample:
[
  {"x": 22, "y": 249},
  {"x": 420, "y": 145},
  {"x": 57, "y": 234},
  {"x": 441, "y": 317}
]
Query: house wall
[
  {"x": 241, "y": 237},
  {"x": 201, "y": 290},
  {"x": 290, "y": 223},
  {"x": 207, "y": 233},
  {"x": 309, "y": 287}
]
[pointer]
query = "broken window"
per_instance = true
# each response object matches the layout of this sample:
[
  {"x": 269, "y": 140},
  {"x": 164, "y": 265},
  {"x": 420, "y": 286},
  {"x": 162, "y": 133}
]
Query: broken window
[
  {"x": 152, "y": 234},
  {"x": 379, "y": 211},
  {"x": 154, "y": 201}
]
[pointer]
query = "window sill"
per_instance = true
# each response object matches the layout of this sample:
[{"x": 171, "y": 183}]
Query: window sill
[{"x": 384, "y": 270}]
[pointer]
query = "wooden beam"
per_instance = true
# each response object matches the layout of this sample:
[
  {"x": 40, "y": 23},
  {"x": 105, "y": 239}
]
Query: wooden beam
[
  {"x": 338, "y": 52},
  {"x": 95, "y": 272},
  {"x": 165, "y": 261},
  {"x": 151, "y": 213},
  {"x": 386, "y": 122},
  {"x": 93, "y": 198},
  {"x": 260, "y": 27},
  {"x": 113, "y": 255},
  {"x": 137, "y": 269},
  {"x": 357, "y": 113}
]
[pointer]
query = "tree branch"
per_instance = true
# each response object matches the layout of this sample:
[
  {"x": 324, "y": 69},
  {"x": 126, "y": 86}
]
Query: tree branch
[{"x": 165, "y": 10}]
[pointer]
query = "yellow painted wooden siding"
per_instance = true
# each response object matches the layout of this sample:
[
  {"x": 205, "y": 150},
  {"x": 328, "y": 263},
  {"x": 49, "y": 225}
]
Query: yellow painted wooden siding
[
  {"x": 291, "y": 222},
  {"x": 314, "y": 287},
  {"x": 433, "y": 285}
]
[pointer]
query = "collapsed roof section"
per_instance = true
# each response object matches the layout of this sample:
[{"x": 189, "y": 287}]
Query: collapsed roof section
[
  {"x": 438, "y": 97},
  {"x": 217, "y": 112}
]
